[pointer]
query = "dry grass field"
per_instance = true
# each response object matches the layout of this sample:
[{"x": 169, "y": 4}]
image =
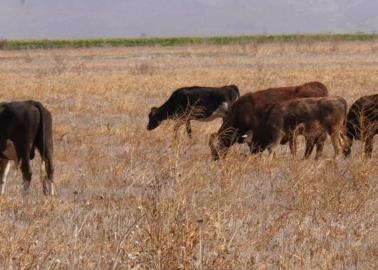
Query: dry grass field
[{"x": 132, "y": 199}]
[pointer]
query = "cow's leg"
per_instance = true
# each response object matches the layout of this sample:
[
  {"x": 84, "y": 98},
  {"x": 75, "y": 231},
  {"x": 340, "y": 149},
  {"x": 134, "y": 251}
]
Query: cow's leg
[
  {"x": 47, "y": 166},
  {"x": 4, "y": 169},
  {"x": 47, "y": 176},
  {"x": 320, "y": 145},
  {"x": 218, "y": 149},
  {"x": 49, "y": 188},
  {"x": 254, "y": 149},
  {"x": 310, "y": 143},
  {"x": 272, "y": 151},
  {"x": 293, "y": 144},
  {"x": 176, "y": 127},
  {"x": 344, "y": 143},
  {"x": 347, "y": 144},
  {"x": 336, "y": 143},
  {"x": 26, "y": 174},
  {"x": 277, "y": 138},
  {"x": 368, "y": 147},
  {"x": 188, "y": 128}
]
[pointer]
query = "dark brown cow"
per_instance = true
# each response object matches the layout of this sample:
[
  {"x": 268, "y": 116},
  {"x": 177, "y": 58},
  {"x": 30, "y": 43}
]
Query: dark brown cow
[
  {"x": 25, "y": 126},
  {"x": 194, "y": 103},
  {"x": 315, "y": 117},
  {"x": 247, "y": 112},
  {"x": 362, "y": 123}
]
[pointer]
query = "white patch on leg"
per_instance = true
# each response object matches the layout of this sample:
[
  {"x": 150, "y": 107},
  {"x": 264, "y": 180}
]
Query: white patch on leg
[
  {"x": 43, "y": 174},
  {"x": 47, "y": 185},
  {"x": 43, "y": 167},
  {"x": 51, "y": 187},
  {"x": 4, "y": 178}
]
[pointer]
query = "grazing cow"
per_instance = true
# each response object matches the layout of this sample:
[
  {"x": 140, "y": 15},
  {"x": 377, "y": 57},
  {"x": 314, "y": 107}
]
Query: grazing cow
[
  {"x": 362, "y": 123},
  {"x": 194, "y": 103},
  {"x": 25, "y": 126},
  {"x": 246, "y": 114},
  {"x": 314, "y": 117}
]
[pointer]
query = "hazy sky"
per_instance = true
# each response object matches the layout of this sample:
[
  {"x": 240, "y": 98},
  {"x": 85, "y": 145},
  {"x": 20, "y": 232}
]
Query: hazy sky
[{"x": 131, "y": 18}]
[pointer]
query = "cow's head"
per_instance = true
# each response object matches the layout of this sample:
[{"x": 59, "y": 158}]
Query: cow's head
[
  {"x": 256, "y": 145},
  {"x": 220, "y": 142},
  {"x": 351, "y": 132},
  {"x": 154, "y": 119}
]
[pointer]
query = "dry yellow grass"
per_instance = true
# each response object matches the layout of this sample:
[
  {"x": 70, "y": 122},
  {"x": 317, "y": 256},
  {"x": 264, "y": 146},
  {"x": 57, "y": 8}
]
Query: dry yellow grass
[{"x": 133, "y": 199}]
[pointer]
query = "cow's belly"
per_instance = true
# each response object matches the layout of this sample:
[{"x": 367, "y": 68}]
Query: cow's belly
[{"x": 218, "y": 113}]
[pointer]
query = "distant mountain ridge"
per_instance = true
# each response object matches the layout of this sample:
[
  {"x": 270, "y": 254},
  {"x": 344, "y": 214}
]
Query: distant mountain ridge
[{"x": 122, "y": 18}]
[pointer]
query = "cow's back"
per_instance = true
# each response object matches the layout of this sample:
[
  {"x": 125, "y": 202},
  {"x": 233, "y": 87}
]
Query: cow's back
[
  {"x": 264, "y": 98},
  {"x": 311, "y": 89},
  {"x": 248, "y": 111},
  {"x": 206, "y": 99},
  {"x": 327, "y": 110},
  {"x": 14, "y": 115}
]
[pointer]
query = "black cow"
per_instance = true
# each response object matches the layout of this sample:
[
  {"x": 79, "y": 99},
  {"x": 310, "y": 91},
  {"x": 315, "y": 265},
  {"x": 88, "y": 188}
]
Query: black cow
[
  {"x": 194, "y": 103},
  {"x": 25, "y": 126},
  {"x": 362, "y": 123}
]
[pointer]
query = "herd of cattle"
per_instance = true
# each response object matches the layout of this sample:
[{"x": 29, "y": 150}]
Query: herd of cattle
[
  {"x": 267, "y": 118},
  {"x": 262, "y": 119}
]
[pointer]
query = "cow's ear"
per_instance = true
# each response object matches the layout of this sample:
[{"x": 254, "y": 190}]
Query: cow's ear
[
  {"x": 236, "y": 88},
  {"x": 10, "y": 151},
  {"x": 153, "y": 110}
]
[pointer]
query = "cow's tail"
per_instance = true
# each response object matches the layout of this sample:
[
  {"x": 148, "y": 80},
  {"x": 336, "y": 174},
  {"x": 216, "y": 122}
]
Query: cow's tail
[
  {"x": 42, "y": 137},
  {"x": 45, "y": 147},
  {"x": 41, "y": 128}
]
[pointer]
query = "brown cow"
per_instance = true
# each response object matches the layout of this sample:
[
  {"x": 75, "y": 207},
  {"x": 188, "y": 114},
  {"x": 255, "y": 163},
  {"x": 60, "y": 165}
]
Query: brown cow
[
  {"x": 247, "y": 112},
  {"x": 362, "y": 123},
  {"x": 314, "y": 117}
]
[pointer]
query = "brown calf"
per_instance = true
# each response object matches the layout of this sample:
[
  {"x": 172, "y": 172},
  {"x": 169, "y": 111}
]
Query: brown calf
[{"x": 311, "y": 117}]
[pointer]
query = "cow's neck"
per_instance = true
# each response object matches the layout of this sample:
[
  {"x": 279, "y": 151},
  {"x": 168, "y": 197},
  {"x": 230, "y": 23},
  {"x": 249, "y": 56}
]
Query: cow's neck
[{"x": 167, "y": 110}]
